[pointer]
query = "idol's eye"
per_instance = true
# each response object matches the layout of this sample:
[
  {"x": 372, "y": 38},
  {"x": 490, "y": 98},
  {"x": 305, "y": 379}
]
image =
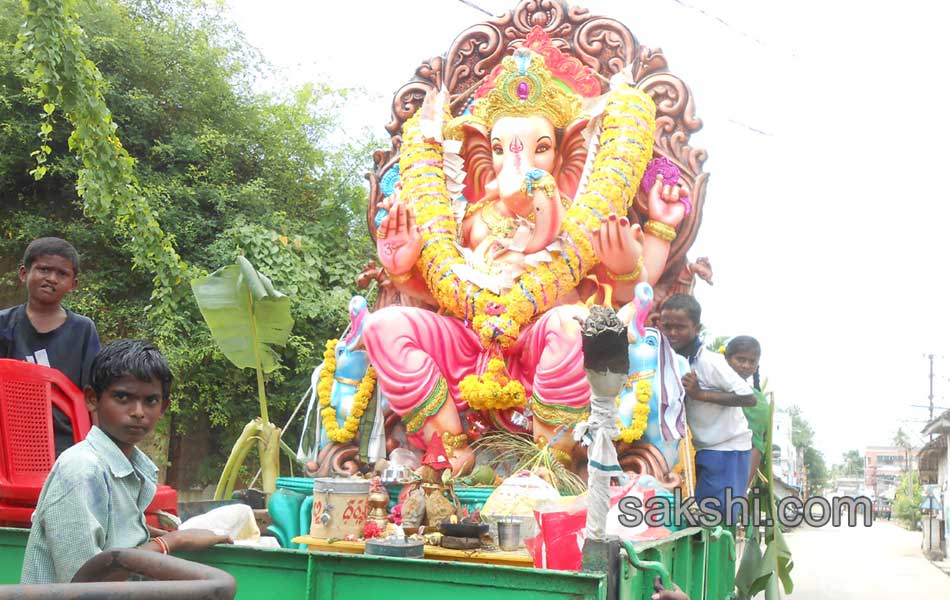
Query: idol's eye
[
  {"x": 542, "y": 148},
  {"x": 497, "y": 150},
  {"x": 651, "y": 341}
]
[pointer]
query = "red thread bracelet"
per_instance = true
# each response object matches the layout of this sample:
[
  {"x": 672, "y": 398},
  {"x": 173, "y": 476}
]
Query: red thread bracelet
[{"x": 161, "y": 544}]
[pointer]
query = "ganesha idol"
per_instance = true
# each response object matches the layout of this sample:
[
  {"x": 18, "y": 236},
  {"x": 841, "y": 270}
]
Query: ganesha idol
[{"x": 508, "y": 221}]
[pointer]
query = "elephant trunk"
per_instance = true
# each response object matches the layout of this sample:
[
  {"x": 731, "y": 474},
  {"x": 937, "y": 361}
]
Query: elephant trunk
[
  {"x": 547, "y": 221},
  {"x": 511, "y": 190},
  {"x": 542, "y": 203}
]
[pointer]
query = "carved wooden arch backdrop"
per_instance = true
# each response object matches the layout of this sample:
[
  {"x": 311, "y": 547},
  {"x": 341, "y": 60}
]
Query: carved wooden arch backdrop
[
  {"x": 606, "y": 46},
  {"x": 603, "y": 44}
]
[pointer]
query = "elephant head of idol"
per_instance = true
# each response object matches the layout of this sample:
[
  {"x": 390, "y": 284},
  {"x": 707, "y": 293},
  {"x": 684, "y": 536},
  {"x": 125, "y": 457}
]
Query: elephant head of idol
[{"x": 523, "y": 135}]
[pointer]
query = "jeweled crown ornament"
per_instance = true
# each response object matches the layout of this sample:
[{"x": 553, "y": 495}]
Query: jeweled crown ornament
[{"x": 525, "y": 87}]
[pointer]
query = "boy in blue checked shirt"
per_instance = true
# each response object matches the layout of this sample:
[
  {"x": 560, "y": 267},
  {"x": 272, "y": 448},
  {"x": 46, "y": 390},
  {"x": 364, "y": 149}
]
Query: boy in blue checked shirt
[{"x": 95, "y": 497}]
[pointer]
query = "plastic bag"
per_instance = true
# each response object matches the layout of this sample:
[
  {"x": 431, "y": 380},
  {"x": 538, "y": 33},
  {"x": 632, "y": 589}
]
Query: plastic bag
[
  {"x": 235, "y": 520},
  {"x": 516, "y": 497},
  {"x": 560, "y": 542},
  {"x": 643, "y": 487},
  {"x": 561, "y": 523}
]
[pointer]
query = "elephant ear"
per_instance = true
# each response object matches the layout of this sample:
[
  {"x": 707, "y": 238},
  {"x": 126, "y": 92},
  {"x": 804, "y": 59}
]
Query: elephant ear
[
  {"x": 573, "y": 155},
  {"x": 476, "y": 151}
]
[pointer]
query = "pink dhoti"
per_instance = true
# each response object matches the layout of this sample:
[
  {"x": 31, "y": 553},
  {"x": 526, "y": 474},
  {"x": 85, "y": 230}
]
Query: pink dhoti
[{"x": 420, "y": 358}]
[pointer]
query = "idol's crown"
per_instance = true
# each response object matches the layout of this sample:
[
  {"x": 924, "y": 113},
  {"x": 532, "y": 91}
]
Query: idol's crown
[{"x": 525, "y": 87}]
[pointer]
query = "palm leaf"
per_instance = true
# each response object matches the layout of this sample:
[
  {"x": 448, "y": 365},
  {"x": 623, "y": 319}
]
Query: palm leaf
[{"x": 520, "y": 451}]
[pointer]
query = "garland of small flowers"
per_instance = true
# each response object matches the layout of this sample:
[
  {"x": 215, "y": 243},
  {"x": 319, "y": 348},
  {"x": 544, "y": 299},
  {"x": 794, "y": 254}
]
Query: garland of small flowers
[
  {"x": 626, "y": 145},
  {"x": 364, "y": 392},
  {"x": 641, "y": 410},
  {"x": 494, "y": 390}
]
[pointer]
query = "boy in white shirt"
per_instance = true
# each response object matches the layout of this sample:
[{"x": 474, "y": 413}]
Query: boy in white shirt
[{"x": 715, "y": 397}]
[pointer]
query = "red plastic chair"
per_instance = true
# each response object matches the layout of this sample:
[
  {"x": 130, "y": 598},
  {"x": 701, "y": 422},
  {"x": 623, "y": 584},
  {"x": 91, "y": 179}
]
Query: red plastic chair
[{"x": 27, "y": 452}]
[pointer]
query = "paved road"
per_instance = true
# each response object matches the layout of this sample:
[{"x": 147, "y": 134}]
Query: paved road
[{"x": 879, "y": 562}]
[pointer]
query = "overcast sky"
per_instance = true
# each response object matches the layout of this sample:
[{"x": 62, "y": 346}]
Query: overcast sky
[{"x": 826, "y": 211}]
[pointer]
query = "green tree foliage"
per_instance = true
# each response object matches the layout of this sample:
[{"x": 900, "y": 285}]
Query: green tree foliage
[
  {"x": 907, "y": 500},
  {"x": 853, "y": 463},
  {"x": 803, "y": 437},
  {"x": 816, "y": 469},
  {"x": 900, "y": 438},
  {"x": 718, "y": 343},
  {"x": 207, "y": 169}
]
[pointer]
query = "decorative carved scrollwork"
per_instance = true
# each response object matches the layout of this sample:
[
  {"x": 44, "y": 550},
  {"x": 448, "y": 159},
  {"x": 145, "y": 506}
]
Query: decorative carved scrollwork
[
  {"x": 646, "y": 459},
  {"x": 337, "y": 460}
]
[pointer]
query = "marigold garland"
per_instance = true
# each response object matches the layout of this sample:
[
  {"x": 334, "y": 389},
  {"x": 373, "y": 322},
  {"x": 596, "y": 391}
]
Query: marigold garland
[
  {"x": 641, "y": 411},
  {"x": 626, "y": 145},
  {"x": 364, "y": 392},
  {"x": 494, "y": 390}
]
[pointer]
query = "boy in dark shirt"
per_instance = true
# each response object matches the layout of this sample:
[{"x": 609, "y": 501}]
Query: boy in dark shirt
[{"x": 42, "y": 331}]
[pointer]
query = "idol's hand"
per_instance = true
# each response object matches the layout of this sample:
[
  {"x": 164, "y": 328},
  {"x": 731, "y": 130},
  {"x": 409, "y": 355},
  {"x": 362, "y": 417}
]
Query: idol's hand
[
  {"x": 618, "y": 245},
  {"x": 667, "y": 203},
  {"x": 398, "y": 240}
]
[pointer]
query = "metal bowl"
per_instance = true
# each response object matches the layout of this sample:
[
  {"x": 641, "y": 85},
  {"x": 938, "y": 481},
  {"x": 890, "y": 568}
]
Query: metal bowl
[{"x": 463, "y": 530}]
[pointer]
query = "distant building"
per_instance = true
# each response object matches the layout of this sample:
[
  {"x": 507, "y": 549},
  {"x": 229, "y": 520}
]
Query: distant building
[
  {"x": 884, "y": 466},
  {"x": 849, "y": 486},
  {"x": 935, "y": 471},
  {"x": 785, "y": 463}
]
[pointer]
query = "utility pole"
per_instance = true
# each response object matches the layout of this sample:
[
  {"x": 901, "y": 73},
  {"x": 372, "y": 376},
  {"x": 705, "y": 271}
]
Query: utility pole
[
  {"x": 910, "y": 476},
  {"x": 931, "y": 396}
]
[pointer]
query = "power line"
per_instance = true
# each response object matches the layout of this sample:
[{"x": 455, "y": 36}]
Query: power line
[
  {"x": 476, "y": 7},
  {"x": 749, "y": 127},
  {"x": 727, "y": 25}
]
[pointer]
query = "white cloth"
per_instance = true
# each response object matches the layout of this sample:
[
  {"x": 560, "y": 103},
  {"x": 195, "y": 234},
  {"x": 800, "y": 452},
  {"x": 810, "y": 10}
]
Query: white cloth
[
  {"x": 377, "y": 440},
  {"x": 672, "y": 415},
  {"x": 235, "y": 520},
  {"x": 717, "y": 427},
  {"x": 598, "y": 433}
]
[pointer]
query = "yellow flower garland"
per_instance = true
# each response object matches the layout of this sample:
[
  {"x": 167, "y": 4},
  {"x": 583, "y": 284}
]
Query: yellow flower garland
[
  {"x": 641, "y": 410},
  {"x": 626, "y": 144},
  {"x": 364, "y": 391},
  {"x": 494, "y": 390}
]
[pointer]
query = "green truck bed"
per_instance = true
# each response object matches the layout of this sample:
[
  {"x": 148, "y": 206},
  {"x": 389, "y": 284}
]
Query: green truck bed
[{"x": 301, "y": 575}]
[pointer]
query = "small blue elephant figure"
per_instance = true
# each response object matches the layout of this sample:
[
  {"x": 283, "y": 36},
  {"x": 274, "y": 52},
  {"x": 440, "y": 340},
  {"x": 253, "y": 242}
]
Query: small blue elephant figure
[
  {"x": 653, "y": 359},
  {"x": 351, "y": 364}
]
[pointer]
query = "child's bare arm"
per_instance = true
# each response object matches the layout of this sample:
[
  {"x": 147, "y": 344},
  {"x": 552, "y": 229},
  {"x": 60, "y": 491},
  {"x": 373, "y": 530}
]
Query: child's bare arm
[
  {"x": 186, "y": 540},
  {"x": 663, "y": 594},
  {"x": 691, "y": 384},
  {"x": 725, "y": 398}
]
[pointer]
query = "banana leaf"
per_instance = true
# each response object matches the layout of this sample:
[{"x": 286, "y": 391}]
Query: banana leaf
[
  {"x": 762, "y": 571},
  {"x": 246, "y": 315}
]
